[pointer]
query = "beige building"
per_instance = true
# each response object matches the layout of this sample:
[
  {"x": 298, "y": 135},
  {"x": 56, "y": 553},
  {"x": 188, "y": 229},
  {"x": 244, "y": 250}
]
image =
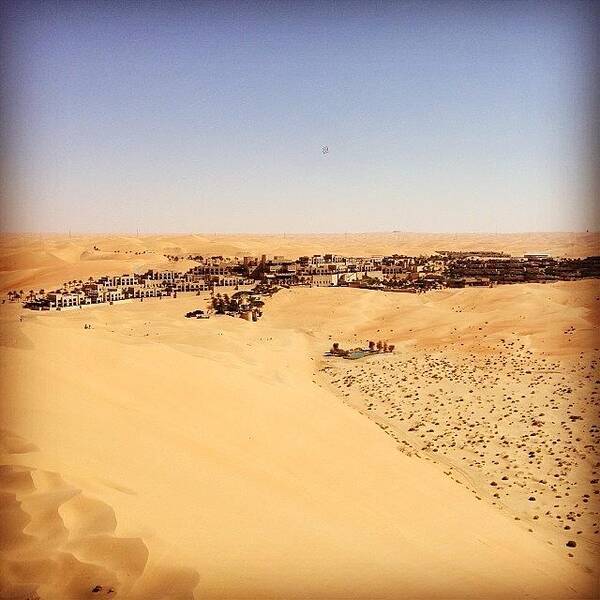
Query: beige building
[{"x": 325, "y": 280}]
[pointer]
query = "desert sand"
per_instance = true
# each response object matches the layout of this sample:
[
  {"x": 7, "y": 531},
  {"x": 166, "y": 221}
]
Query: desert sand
[{"x": 152, "y": 456}]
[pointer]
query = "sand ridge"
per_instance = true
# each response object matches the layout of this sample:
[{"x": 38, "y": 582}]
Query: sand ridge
[{"x": 57, "y": 541}]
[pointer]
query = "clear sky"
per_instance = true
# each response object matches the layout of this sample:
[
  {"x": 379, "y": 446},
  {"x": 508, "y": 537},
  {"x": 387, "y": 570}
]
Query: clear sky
[{"x": 210, "y": 117}]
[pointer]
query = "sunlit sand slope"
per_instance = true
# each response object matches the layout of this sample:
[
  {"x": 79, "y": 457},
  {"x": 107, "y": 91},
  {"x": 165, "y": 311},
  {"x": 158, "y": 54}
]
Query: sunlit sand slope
[{"x": 160, "y": 457}]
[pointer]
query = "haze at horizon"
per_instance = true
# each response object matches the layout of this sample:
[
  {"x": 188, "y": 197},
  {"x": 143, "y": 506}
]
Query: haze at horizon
[{"x": 438, "y": 117}]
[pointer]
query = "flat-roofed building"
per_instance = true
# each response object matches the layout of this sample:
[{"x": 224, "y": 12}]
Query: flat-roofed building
[
  {"x": 61, "y": 300},
  {"x": 325, "y": 280}
]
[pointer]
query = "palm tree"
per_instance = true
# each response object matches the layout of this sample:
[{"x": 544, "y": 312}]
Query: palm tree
[
  {"x": 372, "y": 346},
  {"x": 391, "y": 348},
  {"x": 379, "y": 346},
  {"x": 335, "y": 348}
]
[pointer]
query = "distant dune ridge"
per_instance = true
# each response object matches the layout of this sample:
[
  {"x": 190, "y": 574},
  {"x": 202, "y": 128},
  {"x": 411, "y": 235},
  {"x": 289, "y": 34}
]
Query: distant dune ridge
[{"x": 154, "y": 456}]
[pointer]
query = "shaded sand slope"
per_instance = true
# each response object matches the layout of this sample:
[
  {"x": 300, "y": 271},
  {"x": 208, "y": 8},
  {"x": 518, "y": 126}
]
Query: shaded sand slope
[
  {"x": 57, "y": 541},
  {"x": 175, "y": 458}
]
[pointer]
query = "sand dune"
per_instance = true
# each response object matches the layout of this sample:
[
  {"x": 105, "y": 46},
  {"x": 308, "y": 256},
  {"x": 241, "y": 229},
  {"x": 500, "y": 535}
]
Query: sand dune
[
  {"x": 156, "y": 457},
  {"x": 60, "y": 541},
  {"x": 510, "y": 416}
]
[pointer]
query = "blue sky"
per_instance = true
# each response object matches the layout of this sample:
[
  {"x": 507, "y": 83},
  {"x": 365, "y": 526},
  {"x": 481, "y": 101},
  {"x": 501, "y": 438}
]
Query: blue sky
[{"x": 208, "y": 117}]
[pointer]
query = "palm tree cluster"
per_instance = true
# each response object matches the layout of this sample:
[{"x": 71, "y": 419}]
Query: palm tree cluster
[
  {"x": 14, "y": 295},
  {"x": 337, "y": 351},
  {"x": 240, "y": 303},
  {"x": 222, "y": 304},
  {"x": 381, "y": 346}
]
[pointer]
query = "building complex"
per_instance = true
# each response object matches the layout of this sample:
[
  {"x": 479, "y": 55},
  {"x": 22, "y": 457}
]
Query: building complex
[{"x": 394, "y": 273}]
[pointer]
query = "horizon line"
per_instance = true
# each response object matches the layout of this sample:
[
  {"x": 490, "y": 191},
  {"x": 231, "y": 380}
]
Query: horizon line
[{"x": 286, "y": 233}]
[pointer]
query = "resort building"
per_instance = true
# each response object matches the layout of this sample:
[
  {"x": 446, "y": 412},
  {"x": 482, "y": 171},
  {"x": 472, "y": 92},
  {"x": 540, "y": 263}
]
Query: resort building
[{"x": 395, "y": 272}]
